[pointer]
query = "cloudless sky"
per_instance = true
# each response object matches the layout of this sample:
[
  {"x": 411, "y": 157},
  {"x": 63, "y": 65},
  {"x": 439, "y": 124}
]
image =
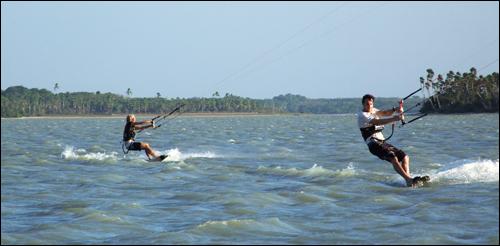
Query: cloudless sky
[{"x": 250, "y": 49}]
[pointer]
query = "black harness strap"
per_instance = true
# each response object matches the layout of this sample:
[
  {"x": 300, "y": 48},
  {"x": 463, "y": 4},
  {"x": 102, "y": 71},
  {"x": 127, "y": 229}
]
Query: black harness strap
[{"x": 123, "y": 148}]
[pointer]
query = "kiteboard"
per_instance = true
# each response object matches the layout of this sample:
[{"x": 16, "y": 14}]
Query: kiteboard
[
  {"x": 158, "y": 159},
  {"x": 420, "y": 181}
]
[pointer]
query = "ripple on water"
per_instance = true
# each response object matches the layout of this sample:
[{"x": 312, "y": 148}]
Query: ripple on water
[{"x": 246, "y": 227}]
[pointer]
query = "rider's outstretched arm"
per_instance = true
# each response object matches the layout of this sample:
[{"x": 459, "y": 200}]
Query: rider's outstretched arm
[
  {"x": 144, "y": 122},
  {"x": 387, "y": 112},
  {"x": 139, "y": 125},
  {"x": 385, "y": 120}
]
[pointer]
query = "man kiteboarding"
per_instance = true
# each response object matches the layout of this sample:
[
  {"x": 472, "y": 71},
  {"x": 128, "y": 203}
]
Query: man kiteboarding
[
  {"x": 371, "y": 122},
  {"x": 129, "y": 137}
]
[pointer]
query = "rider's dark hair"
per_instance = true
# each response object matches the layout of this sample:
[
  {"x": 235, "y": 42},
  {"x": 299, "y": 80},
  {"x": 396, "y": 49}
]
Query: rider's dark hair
[{"x": 367, "y": 96}]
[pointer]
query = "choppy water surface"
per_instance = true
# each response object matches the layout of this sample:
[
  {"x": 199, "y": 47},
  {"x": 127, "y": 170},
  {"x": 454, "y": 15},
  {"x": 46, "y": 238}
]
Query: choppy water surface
[{"x": 248, "y": 180}]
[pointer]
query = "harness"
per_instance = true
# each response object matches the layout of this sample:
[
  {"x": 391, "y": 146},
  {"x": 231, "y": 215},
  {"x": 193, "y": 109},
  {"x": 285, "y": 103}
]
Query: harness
[
  {"x": 368, "y": 132},
  {"x": 128, "y": 134}
]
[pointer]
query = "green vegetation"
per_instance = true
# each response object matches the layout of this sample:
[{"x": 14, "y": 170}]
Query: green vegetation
[
  {"x": 19, "y": 101},
  {"x": 458, "y": 93},
  {"x": 461, "y": 93}
]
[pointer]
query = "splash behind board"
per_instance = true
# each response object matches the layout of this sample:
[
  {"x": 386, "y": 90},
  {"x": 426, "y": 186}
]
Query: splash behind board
[
  {"x": 421, "y": 181},
  {"x": 158, "y": 159}
]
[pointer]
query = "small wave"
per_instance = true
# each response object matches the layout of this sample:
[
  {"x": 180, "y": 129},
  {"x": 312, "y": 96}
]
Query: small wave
[
  {"x": 469, "y": 172},
  {"x": 70, "y": 153},
  {"x": 244, "y": 226},
  {"x": 100, "y": 216},
  {"x": 112, "y": 178},
  {"x": 303, "y": 197},
  {"x": 176, "y": 155},
  {"x": 314, "y": 171}
]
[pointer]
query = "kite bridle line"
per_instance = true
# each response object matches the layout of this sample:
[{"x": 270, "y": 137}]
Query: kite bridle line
[
  {"x": 401, "y": 102},
  {"x": 164, "y": 117}
]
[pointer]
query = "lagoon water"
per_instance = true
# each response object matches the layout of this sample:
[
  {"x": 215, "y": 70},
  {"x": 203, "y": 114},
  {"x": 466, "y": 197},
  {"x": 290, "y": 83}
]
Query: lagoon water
[{"x": 295, "y": 179}]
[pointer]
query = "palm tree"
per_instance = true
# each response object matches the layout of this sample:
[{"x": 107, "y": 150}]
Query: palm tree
[
  {"x": 473, "y": 79},
  {"x": 56, "y": 86},
  {"x": 437, "y": 85},
  {"x": 129, "y": 92},
  {"x": 216, "y": 94},
  {"x": 422, "y": 81},
  {"x": 429, "y": 84},
  {"x": 158, "y": 95}
]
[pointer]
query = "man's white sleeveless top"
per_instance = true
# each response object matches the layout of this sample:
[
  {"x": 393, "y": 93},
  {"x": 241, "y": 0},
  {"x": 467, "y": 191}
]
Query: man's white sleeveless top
[{"x": 364, "y": 119}]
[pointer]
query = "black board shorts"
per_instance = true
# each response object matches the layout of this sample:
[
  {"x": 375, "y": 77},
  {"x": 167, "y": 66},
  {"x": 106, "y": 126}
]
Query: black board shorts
[
  {"x": 385, "y": 151},
  {"x": 135, "y": 146}
]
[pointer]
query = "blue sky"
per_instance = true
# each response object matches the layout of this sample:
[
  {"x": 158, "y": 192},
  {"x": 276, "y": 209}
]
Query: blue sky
[{"x": 250, "y": 49}]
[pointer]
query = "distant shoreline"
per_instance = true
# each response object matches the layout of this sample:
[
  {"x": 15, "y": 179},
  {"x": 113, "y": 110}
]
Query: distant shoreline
[
  {"x": 118, "y": 116},
  {"x": 142, "y": 116}
]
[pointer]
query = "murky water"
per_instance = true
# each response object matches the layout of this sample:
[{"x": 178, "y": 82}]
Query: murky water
[{"x": 248, "y": 180}]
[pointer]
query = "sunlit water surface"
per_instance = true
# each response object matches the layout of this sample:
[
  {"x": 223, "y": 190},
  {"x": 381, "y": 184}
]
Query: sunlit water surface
[{"x": 305, "y": 179}]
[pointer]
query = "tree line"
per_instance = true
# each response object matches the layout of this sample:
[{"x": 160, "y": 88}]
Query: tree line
[
  {"x": 457, "y": 93},
  {"x": 18, "y": 101},
  {"x": 461, "y": 93}
]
